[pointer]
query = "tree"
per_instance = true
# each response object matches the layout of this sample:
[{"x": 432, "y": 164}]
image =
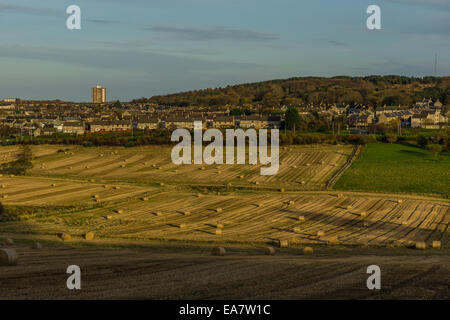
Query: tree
[
  {"x": 391, "y": 138},
  {"x": 434, "y": 149},
  {"x": 292, "y": 118},
  {"x": 422, "y": 140},
  {"x": 117, "y": 105}
]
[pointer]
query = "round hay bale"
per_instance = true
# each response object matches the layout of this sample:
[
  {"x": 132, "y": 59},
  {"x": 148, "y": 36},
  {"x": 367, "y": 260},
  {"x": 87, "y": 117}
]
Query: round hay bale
[
  {"x": 320, "y": 233},
  {"x": 297, "y": 229},
  {"x": 269, "y": 251},
  {"x": 283, "y": 243},
  {"x": 158, "y": 213},
  {"x": 8, "y": 257},
  {"x": 421, "y": 245},
  {"x": 307, "y": 251},
  {"x": 198, "y": 195},
  {"x": 399, "y": 201},
  {"x": 86, "y": 167},
  {"x": 218, "y": 232},
  {"x": 259, "y": 205},
  {"x": 349, "y": 207},
  {"x": 218, "y": 210},
  {"x": 241, "y": 177},
  {"x": 122, "y": 166},
  {"x": 37, "y": 245},
  {"x": 161, "y": 184},
  {"x": 291, "y": 202},
  {"x": 5, "y": 196},
  {"x": 436, "y": 244},
  {"x": 120, "y": 211},
  {"x": 301, "y": 218},
  {"x": 65, "y": 236},
  {"x": 53, "y": 185},
  {"x": 219, "y": 225},
  {"x": 3, "y": 186},
  {"x": 186, "y": 213},
  {"x": 116, "y": 188},
  {"x": 294, "y": 240},
  {"x": 333, "y": 240},
  {"x": 218, "y": 251},
  {"x": 282, "y": 190},
  {"x": 144, "y": 199},
  {"x": 340, "y": 195},
  {"x": 363, "y": 214},
  {"x": 182, "y": 225},
  {"x": 88, "y": 236},
  {"x": 303, "y": 182},
  {"x": 109, "y": 217},
  {"x": 95, "y": 196},
  {"x": 308, "y": 164},
  {"x": 8, "y": 241},
  {"x": 256, "y": 182},
  {"x": 404, "y": 223}
]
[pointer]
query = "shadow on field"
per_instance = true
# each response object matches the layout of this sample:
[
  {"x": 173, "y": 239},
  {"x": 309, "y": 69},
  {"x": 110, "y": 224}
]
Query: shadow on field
[{"x": 393, "y": 230}]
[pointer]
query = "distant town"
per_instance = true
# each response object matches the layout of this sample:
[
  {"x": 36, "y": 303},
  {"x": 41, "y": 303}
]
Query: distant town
[{"x": 40, "y": 118}]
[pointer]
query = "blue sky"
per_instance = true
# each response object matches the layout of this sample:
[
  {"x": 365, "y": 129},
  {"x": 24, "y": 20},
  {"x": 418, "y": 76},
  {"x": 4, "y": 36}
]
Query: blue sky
[{"x": 141, "y": 48}]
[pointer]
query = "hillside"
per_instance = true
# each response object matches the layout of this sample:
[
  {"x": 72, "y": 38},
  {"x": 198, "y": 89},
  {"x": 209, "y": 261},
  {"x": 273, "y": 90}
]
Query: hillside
[{"x": 371, "y": 90}]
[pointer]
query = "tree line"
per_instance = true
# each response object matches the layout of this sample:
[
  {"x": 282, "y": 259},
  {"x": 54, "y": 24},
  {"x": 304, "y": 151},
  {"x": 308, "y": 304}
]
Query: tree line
[{"x": 373, "y": 91}]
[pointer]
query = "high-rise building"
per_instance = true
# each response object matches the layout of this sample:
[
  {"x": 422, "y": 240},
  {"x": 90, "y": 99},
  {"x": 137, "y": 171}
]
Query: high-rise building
[{"x": 98, "y": 94}]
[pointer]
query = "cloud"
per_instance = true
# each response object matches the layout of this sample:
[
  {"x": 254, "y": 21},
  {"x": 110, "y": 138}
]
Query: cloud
[
  {"x": 103, "y": 21},
  {"x": 126, "y": 59},
  {"x": 439, "y": 3},
  {"x": 6, "y": 7},
  {"x": 337, "y": 43},
  {"x": 205, "y": 33}
]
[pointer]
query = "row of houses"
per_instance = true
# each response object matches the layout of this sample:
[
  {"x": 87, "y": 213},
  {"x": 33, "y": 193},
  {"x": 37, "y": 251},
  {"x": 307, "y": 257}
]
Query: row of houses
[
  {"x": 433, "y": 118},
  {"x": 173, "y": 122},
  {"x": 36, "y": 128}
]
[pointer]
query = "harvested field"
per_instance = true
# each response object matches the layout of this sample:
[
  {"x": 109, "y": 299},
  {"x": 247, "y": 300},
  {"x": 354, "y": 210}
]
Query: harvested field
[
  {"x": 38, "y": 191},
  {"x": 159, "y": 272},
  {"x": 130, "y": 197},
  {"x": 152, "y": 164},
  {"x": 386, "y": 222}
]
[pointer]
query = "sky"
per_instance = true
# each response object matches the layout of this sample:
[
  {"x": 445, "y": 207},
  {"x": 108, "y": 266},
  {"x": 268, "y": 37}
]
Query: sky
[{"x": 141, "y": 48}]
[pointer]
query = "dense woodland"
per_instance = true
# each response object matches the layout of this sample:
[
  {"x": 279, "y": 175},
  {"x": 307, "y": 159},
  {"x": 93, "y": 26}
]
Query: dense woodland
[{"x": 372, "y": 91}]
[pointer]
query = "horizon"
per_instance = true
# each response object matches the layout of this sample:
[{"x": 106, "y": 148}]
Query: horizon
[
  {"x": 218, "y": 88},
  {"x": 143, "y": 49}
]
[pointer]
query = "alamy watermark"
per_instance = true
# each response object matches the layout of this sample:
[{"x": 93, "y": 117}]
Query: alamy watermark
[
  {"x": 213, "y": 153},
  {"x": 74, "y": 280},
  {"x": 73, "y": 21},
  {"x": 374, "y": 20},
  {"x": 374, "y": 280}
]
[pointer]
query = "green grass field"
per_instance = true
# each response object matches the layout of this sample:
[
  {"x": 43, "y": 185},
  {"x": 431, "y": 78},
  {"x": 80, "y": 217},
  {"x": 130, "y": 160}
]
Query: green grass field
[{"x": 397, "y": 168}]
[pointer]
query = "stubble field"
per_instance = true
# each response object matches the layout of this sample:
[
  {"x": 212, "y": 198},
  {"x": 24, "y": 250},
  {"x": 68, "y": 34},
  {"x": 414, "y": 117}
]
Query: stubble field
[{"x": 164, "y": 218}]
